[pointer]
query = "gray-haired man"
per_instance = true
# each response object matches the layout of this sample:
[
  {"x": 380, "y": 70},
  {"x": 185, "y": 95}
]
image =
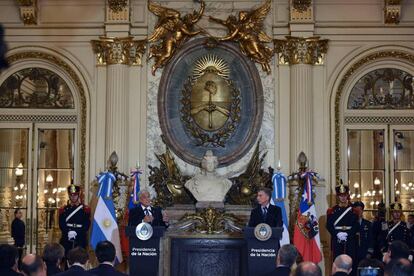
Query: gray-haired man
[{"x": 144, "y": 212}]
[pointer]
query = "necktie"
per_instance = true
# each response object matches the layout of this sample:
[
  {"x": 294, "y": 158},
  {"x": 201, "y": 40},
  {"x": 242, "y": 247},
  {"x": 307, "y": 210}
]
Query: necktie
[
  {"x": 264, "y": 212},
  {"x": 146, "y": 212}
]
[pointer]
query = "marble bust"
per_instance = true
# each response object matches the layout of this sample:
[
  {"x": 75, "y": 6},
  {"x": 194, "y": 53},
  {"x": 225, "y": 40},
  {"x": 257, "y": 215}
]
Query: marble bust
[{"x": 207, "y": 186}]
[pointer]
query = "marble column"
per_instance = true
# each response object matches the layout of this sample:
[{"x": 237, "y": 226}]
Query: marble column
[
  {"x": 116, "y": 113},
  {"x": 301, "y": 54},
  {"x": 301, "y": 111},
  {"x": 118, "y": 54}
]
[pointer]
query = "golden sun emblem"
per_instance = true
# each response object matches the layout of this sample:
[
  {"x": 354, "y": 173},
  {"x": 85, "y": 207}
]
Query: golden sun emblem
[
  {"x": 107, "y": 223},
  {"x": 211, "y": 102}
]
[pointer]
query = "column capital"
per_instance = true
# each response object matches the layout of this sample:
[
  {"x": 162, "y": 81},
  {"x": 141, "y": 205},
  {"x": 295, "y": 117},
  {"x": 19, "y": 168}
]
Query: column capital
[
  {"x": 301, "y": 50},
  {"x": 124, "y": 50}
]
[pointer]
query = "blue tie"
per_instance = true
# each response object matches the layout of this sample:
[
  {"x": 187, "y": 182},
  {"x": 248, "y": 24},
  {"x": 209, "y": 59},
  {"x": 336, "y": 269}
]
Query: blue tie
[{"x": 264, "y": 212}]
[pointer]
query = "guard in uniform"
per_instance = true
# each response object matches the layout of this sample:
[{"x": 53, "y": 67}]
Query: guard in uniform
[
  {"x": 74, "y": 221},
  {"x": 342, "y": 224},
  {"x": 396, "y": 229},
  {"x": 378, "y": 227},
  {"x": 364, "y": 239}
]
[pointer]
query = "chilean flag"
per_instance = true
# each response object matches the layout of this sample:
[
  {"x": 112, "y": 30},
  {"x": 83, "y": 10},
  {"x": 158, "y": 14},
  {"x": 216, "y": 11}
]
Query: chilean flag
[{"x": 306, "y": 236}]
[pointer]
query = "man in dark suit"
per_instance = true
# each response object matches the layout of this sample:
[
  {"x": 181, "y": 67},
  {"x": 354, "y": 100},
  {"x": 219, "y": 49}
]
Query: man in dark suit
[
  {"x": 8, "y": 260},
  {"x": 265, "y": 212},
  {"x": 364, "y": 239},
  {"x": 144, "y": 212},
  {"x": 77, "y": 259},
  {"x": 105, "y": 253},
  {"x": 33, "y": 265},
  {"x": 286, "y": 257},
  {"x": 342, "y": 265},
  {"x": 18, "y": 231}
]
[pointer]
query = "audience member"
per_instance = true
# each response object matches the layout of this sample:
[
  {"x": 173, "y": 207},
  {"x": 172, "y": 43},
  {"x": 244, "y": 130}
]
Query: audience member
[
  {"x": 8, "y": 260},
  {"x": 372, "y": 267},
  {"x": 308, "y": 269},
  {"x": 396, "y": 250},
  {"x": 105, "y": 253},
  {"x": 286, "y": 257},
  {"x": 18, "y": 232},
  {"x": 398, "y": 267},
  {"x": 342, "y": 265},
  {"x": 33, "y": 265},
  {"x": 53, "y": 254},
  {"x": 77, "y": 259}
]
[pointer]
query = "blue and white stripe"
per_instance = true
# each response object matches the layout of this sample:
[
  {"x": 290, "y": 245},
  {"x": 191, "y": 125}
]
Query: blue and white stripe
[
  {"x": 278, "y": 198},
  {"x": 105, "y": 226}
]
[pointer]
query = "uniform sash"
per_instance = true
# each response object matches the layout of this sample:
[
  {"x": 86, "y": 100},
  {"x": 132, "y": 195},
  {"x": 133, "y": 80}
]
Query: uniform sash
[
  {"x": 74, "y": 212},
  {"x": 341, "y": 216}
]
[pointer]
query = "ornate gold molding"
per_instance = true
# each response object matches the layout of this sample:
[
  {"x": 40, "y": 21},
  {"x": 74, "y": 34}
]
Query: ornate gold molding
[
  {"x": 211, "y": 221},
  {"x": 117, "y": 5},
  {"x": 301, "y": 10},
  {"x": 340, "y": 91},
  {"x": 124, "y": 50},
  {"x": 28, "y": 11},
  {"x": 392, "y": 11},
  {"x": 296, "y": 50},
  {"x": 82, "y": 95}
]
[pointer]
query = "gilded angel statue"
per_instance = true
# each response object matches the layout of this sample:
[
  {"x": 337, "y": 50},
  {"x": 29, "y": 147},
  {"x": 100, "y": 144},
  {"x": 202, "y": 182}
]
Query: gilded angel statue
[
  {"x": 171, "y": 31},
  {"x": 247, "y": 30}
]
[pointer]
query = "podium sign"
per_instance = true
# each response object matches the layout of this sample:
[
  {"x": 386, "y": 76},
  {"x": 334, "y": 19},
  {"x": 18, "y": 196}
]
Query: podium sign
[
  {"x": 144, "y": 254},
  {"x": 262, "y": 248}
]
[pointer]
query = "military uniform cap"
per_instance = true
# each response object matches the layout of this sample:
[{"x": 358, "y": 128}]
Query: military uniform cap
[
  {"x": 73, "y": 189},
  {"x": 341, "y": 188},
  {"x": 396, "y": 206},
  {"x": 358, "y": 204}
]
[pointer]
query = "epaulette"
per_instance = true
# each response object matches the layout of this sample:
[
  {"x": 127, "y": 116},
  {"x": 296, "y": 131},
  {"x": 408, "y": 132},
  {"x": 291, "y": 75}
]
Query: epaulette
[
  {"x": 330, "y": 211},
  {"x": 62, "y": 209},
  {"x": 87, "y": 209}
]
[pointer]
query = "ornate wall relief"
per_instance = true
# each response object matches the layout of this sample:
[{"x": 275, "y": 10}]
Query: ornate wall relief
[{"x": 210, "y": 98}]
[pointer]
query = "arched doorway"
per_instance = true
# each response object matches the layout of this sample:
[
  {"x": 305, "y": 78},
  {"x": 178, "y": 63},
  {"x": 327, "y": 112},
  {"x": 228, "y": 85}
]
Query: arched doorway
[
  {"x": 374, "y": 130},
  {"x": 43, "y": 141}
]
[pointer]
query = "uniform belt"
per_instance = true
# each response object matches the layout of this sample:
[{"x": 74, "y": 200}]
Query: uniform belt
[
  {"x": 343, "y": 227},
  {"x": 74, "y": 225}
]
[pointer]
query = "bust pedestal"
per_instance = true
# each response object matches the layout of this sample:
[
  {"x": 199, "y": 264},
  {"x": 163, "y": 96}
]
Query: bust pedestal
[{"x": 207, "y": 204}]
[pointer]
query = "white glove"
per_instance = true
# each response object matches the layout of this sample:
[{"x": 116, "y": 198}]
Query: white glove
[
  {"x": 342, "y": 236},
  {"x": 72, "y": 235}
]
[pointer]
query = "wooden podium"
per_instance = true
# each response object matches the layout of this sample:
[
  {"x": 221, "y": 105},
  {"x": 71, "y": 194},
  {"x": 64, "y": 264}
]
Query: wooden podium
[
  {"x": 144, "y": 254},
  {"x": 261, "y": 255}
]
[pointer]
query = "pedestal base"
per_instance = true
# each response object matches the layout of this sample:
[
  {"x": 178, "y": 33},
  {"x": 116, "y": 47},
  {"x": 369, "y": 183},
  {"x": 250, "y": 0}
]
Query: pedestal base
[{"x": 212, "y": 204}]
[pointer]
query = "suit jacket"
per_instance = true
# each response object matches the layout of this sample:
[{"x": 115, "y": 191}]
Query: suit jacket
[
  {"x": 75, "y": 271},
  {"x": 106, "y": 270},
  {"x": 273, "y": 217},
  {"x": 52, "y": 269},
  {"x": 340, "y": 274},
  {"x": 279, "y": 271},
  {"x": 136, "y": 216},
  {"x": 18, "y": 232},
  {"x": 9, "y": 272}
]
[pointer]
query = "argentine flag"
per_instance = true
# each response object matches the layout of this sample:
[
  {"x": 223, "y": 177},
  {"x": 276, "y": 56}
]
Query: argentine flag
[
  {"x": 278, "y": 199},
  {"x": 105, "y": 227}
]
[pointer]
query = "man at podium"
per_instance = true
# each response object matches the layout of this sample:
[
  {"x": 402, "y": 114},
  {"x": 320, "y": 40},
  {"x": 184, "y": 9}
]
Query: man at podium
[
  {"x": 265, "y": 212},
  {"x": 144, "y": 212}
]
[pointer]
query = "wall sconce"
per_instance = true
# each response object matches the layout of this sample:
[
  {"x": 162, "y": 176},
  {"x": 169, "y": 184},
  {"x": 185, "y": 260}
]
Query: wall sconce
[
  {"x": 377, "y": 181},
  {"x": 49, "y": 178},
  {"x": 19, "y": 170}
]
